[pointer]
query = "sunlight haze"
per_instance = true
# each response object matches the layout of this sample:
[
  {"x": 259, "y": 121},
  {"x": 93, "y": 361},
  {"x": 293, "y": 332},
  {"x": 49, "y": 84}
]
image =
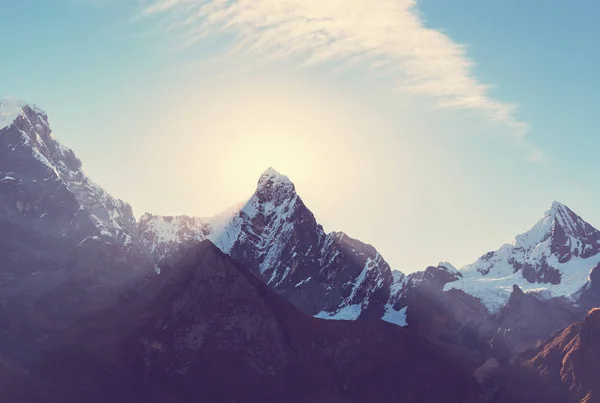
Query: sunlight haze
[{"x": 398, "y": 123}]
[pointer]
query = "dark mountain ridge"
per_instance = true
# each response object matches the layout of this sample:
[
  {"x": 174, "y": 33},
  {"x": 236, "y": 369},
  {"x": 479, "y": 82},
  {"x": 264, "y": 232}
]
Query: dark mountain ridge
[{"x": 210, "y": 330}]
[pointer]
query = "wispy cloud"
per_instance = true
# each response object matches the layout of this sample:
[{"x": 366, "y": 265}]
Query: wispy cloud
[{"x": 387, "y": 35}]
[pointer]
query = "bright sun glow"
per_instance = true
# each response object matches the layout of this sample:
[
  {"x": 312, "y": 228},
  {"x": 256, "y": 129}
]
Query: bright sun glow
[{"x": 317, "y": 138}]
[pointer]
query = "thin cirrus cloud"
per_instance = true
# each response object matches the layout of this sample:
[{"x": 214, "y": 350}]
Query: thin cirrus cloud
[{"x": 385, "y": 35}]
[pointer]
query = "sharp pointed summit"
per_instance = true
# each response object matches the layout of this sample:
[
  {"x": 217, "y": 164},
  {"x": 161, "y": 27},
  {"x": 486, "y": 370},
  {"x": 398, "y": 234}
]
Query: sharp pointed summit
[
  {"x": 12, "y": 110},
  {"x": 556, "y": 205},
  {"x": 270, "y": 172},
  {"x": 566, "y": 233},
  {"x": 271, "y": 180}
]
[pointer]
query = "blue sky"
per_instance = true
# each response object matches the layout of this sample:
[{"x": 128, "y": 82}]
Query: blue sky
[{"x": 187, "y": 129}]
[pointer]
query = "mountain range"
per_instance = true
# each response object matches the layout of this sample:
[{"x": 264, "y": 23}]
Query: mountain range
[{"x": 76, "y": 264}]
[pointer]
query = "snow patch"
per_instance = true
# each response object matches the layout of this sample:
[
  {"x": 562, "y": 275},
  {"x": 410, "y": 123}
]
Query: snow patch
[
  {"x": 395, "y": 317},
  {"x": 494, "y": 290},
  {"x": 10, "y": 110},
  {"x": 303, "y": 282},
  {"x": 349, "y": 312}
]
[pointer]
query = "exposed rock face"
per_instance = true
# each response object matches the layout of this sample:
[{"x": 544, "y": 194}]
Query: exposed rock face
[{"x": 564, "y": 369}]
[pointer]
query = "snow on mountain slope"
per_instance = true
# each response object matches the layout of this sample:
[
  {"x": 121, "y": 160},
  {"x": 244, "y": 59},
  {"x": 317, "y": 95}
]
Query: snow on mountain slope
[
  {"x": 276, "y": 235},
  {"x": 161, "y": 234},
  {"x": 553, "y": 259},
  {"x": 32, "y": 160},
  {"x": 11, "y": 109},
  {"x": 265, "y": 221},
  {"x": 164, "y": 235}
]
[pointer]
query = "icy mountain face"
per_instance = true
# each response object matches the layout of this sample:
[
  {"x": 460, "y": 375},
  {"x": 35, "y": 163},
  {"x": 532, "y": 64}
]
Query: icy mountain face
[
  {"x": 47, "y": 203},
  {"x": 553, "y": 259},
  {"x": 33, "y": 158},
  {"x": 355, "y": 274},
  {"x": 162, "y": 235},
  {"x": 277, "y": 236}
]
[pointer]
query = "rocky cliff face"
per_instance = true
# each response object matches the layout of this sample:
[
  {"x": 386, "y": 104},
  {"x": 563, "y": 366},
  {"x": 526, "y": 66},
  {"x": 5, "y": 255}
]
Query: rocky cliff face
[{"x": 564, "y": 369}]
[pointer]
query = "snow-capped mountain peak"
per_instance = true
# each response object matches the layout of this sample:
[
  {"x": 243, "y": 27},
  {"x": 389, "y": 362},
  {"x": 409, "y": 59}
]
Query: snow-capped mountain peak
[
  {"x": 274, "y": 187},
  {"x": 571, "y": 223},
  {"x": 12, "y": 109},
  {"x": 561, "y": 232},
  {"x": 554, "y": 257},
  {"x": 271, "y": 172},
  {"x": 38, "y": 163},
  {"x": 449, "y": 267},
  {"x": 544, "y": 228}
]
